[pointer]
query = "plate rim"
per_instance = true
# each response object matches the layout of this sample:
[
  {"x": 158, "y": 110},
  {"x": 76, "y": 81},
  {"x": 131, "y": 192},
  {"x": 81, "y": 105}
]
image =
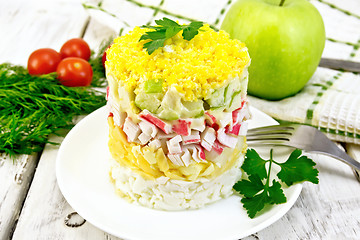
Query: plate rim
[{"x": 269, "y": 221}]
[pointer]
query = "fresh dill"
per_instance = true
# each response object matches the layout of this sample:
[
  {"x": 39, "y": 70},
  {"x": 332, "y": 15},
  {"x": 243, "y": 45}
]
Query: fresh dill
[{"x": 33, "y": 107}]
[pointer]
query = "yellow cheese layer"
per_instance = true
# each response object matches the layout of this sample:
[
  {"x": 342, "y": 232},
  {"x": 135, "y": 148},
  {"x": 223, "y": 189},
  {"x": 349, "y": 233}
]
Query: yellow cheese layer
[
  {"x": 194, "y": 67},
  {"x": 151, "y": 164}
]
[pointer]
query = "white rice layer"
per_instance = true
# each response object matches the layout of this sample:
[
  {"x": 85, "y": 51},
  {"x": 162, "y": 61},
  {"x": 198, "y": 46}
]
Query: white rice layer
[{"x": 168, "y": 194}]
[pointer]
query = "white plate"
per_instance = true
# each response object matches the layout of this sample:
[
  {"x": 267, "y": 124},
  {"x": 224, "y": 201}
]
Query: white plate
[{"x": 82, "y": 174}]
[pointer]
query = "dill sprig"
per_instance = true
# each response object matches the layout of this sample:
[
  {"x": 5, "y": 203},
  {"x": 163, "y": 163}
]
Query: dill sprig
[{"x": 32, "y": 107}]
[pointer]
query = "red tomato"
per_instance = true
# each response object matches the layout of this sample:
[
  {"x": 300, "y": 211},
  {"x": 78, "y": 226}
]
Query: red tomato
[
  {"x": 103, "y": 59},
  {"x": 76, "y": 47},
  {"x": 74, "y": 72},
  {"x": 43, "y": 61}
]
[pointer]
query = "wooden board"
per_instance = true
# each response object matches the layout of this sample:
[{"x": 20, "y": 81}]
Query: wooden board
[
  {"x": 15, "y": 179},
  {"x": 25, "y": 27},
  {"x": 329, "y": 210}
]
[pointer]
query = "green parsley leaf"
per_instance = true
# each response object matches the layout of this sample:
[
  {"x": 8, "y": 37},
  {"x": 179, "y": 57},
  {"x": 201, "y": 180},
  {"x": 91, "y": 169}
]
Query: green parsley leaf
[
  {"x": 251, "y": 187},
  {"x": 166, "y": 29},
  {"x": 254, "y": 164},
  {"x": 276, "y": 194},
  {"x": 192, "y": 30},
  {"x": 166, "y": 22},
  {"x": 257, "y": 193},
  {"x": 298, "y": 169},
  {"x": 153, "y": 35},
  {"x": 171, "y": 31},
  {"x": 255, "y": 204},
  {"x": 153, "y": 45}
]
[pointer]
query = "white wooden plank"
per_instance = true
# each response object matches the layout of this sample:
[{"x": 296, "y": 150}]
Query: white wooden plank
[
  {"x": 24, "y": 27},
  {"x": 29, "y": 25},
  {"x": 97, "y": 33},
  {"x": 325, "y": 211},
  {"x": 45, "y": 208},
  {"x": 15, "y": 178}
]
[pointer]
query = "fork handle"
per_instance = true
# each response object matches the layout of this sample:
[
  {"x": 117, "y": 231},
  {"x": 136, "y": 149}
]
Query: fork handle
[{"x": 339, "y": 154}]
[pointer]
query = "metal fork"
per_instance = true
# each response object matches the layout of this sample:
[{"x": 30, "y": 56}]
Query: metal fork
[{"x": 302, "y": 137}]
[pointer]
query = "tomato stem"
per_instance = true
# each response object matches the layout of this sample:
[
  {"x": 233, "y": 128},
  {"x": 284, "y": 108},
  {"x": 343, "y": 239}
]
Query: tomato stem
[{"x": 282, "y": 3}]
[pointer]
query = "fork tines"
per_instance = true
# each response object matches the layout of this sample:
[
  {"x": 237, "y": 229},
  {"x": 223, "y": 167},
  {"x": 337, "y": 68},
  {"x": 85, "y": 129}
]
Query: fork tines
[
  {"x": 273, "y": 135},
  {"x": 272, "y": 128}
]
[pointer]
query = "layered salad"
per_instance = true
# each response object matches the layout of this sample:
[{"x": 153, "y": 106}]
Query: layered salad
[{"x": 177, "y": 118}]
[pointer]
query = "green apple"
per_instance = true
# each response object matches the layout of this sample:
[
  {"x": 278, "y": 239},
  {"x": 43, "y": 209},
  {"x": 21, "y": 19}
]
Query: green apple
[{"x": 285, "y": 40}]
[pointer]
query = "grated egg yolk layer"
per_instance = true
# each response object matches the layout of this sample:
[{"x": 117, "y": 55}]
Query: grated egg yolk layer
[
  {"x": 151, "y": 164},
  {"x": 194, "y": 67}
]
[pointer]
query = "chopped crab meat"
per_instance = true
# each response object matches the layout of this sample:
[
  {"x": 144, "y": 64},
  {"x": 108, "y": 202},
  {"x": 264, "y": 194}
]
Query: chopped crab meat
[
  {"x": 207, "y": 146},
  {"x": 182, "y": 127},
  {"x": 162, "y": 135},
  {"x": 176, "y": 139},
  {"x": 144, "y": 138},
  {"x": 201, "y": 153},
  {"x": 173, "y": 145},
  {"x": 238, "y": 115},
  {"x": 243, "y": 129},
  {"x": 107, "y": 93},
  {"x": 186, "y": 157},
  {"x": 226, "y": 139},
  {"x": 119, "y": 119},
  {"x": 207, "y": 138},
  {"x": 163, "y": 125},
  {"x": 195, "y": 155},
  {"x": 211, "y": 119},
  {"x": 175, "y": 159},
  {"x": 148, "y": 128},
  {"x": 241, "y": 114},
  {"x": 193, "y": 151},
  {"x": 235, "y": 129},
  {"x": 155, "y": 144},
  {"x": 194, "y": 137},
  {"x": 218, "y": 147},
  {"x": 131, "y": 129},
  {"x": 197, "y": 152}
]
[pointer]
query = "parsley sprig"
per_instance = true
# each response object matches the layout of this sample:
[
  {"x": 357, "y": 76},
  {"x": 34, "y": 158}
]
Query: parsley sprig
[
  {"x": 257, "y": 190},
  {"x": 165, "y": 29}
]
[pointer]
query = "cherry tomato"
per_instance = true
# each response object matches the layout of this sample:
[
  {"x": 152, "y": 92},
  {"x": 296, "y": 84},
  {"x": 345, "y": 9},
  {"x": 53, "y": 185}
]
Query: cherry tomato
[
  {"x": 76, "y": 47},
  {"x": 43, "y": 61},
  {"x": 74, "y": 72},
  {"x": 103, "y": 59}
]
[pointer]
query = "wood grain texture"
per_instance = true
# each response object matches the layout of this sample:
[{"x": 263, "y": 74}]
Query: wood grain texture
[
  {"x": 45, "y": 208},
  {"x": 24, "y": 27},
  {"x": 15, "y": 179},
  {"x": 329, "y": 210},
  {"x": 44, "y": 194},
  {"x": 29, "y": 25}
]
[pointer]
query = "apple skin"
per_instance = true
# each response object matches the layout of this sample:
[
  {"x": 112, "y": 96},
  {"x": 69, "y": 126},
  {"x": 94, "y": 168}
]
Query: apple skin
[{"x": 285, "y": 43}]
